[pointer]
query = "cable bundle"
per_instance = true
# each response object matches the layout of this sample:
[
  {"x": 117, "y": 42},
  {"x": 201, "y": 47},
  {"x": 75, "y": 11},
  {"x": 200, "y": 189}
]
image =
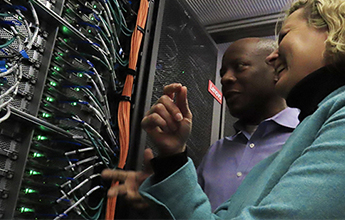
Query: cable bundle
[{"x": 124, "y": 107}]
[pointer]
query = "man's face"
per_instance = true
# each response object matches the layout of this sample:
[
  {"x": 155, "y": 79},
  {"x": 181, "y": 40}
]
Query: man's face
[{"x": 247, "y": 81}]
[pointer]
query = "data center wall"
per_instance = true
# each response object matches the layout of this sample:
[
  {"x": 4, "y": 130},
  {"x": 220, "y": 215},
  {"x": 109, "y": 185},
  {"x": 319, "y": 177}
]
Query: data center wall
[
  {"x": 62, "y": 70},
  {"x": 186, "y": 54}
]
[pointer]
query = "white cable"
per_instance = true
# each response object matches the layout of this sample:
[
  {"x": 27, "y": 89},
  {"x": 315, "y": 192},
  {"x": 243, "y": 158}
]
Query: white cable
[
  {"x": 77, "y": 187},
  {"x": 7, "y": 115},
  {"x": 81, "y": 173},
  {"x": 37, "y": 24},
  {"x": 81, "y": 162},
  {"x": 9, "y": 90},
  {"x": 64, "y": 214}
]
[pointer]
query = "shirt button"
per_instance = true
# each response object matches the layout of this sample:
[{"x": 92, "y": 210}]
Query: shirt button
[
  {"x": 238, "y": 174},
  {"x": 252, "y": 145}
]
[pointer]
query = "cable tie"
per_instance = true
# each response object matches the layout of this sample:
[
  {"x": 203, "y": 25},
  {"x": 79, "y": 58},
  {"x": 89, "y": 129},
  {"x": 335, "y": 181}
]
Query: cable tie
[
  {"x": 19, "y": 7},
  {"x": 140, "y": 29},
  {"x": 125, "y": 98},
  {"x": 131, "y": 72},
  {"x": 10, "y": 23},
  {"x": 3, "y": 66},
  {"x": 24, "y": 54}
]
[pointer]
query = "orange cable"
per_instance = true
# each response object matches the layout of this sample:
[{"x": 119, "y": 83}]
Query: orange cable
[{"x": 125, "y": 106}]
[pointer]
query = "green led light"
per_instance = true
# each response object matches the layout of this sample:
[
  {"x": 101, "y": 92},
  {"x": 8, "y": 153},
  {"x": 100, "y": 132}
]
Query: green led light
[
  {"x": 54, "y": 73},
  {"x": 61, "y": 54},
  {"x": 80, "y": 75},
  {"x": 53, "y": 83},
  {"x": 41, "y": 138},
  {"x": 92, "y": 18},
  {"x": 42, "y": 128},
  {"x": 65, "y": 29},
  {"x": 74, "y": 103},
  {"x": 77, "y": 89},
  {"x": 28, "y": 190},
  {"x": 66, "y": 40},
  {"x": 33, "y": 172},
  {"x": 56, "y": 68},
  {"x": 94, "y": 6},
  {"x": 36, "y": 154},
  {"x": 57, "y": 58},
  {"x": 24, "y": 209},
  {"x": 46, "y": 115},
  {"x": 50, "y": 99}
]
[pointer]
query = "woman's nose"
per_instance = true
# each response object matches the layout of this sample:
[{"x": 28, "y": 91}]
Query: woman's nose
[{"x": 272, "y": 57}]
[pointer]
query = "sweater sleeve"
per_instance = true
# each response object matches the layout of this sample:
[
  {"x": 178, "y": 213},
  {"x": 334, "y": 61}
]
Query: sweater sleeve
[
  {"x": 305, "y": 180},
  {"x": 165, "y": 166}
]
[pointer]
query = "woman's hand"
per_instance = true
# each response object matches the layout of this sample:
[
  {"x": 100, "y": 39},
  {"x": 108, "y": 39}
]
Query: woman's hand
[{"x": 130, "y": 182}]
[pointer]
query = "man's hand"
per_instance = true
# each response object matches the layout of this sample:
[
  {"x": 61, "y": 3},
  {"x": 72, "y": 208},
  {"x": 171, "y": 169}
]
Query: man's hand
[
  {"x": 169, "y": 121},
  {"x": 131, "y": 182}
]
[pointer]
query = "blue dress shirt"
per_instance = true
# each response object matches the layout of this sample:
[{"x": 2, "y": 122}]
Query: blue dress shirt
[{"x": 230, "y": 159}]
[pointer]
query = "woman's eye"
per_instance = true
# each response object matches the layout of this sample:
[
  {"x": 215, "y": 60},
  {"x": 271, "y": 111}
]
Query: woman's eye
[{"x": 281, "y": 37}]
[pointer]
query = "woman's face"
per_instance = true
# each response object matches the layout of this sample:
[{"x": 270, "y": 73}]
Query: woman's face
[{"x": 300, "y": 52}]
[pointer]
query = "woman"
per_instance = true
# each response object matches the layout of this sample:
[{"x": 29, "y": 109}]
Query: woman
[{"x": 306, "y": 179}]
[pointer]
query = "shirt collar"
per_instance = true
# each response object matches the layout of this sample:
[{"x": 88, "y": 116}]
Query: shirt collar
[{"x": 286, "y": 118}]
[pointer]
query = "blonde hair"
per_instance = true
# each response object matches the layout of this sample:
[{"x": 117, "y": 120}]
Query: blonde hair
[
  {"x": 329, "y": 14},
  {"x": 266, "y": 44}
]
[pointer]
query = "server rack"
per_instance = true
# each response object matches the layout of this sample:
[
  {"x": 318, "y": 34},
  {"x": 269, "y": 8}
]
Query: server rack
[
  {"x": 63, "y": 66},
  {"x": 178, "y": 49}
]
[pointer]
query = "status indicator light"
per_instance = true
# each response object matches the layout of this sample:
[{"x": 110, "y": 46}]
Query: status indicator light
[
  {"x": 36, "y": 154},
  {"x": 52, "y": 83},
  {"x": 65, "y": 29},
  {"x": 24, "y": 209},
  {"x": 33, "y": 172},
  {"x": 28, "y": 191},
  {"x": 46, "y": 115},
  {"x": 50, "y": 99},
  {"x": 41, "y": 138}
]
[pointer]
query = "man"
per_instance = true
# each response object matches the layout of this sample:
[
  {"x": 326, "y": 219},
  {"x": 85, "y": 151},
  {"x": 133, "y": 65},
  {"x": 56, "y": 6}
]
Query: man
[{"x": 264, "y": 124}]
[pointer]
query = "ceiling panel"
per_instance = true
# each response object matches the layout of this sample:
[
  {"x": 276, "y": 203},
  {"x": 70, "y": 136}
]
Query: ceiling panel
[{"x": 225, "y": 19}]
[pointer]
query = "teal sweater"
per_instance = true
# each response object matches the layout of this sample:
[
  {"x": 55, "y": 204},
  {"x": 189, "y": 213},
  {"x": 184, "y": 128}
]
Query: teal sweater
[{"x": 305, "y": 180}]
